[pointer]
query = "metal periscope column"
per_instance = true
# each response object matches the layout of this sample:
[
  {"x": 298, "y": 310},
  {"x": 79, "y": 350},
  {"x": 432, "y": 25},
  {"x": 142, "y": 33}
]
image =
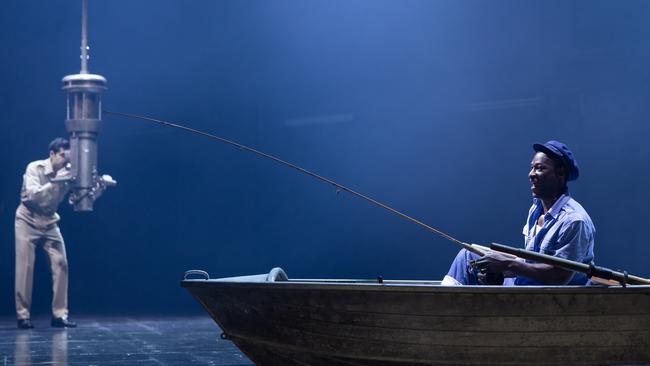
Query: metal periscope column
[{"x": 83, "y": 122}]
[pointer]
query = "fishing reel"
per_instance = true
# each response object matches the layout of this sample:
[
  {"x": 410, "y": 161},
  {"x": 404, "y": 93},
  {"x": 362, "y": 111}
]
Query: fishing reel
[
  {"x": 484, "y": 277},
  {"x": 490, "y": 278}
]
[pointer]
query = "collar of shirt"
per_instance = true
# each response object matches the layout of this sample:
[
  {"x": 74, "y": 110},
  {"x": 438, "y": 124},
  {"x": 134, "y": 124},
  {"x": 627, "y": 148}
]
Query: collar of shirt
[
  {"x": 553, "y": 212},
  {"x": 557, "y": 206},
  {"x": 47, "y": 164}
]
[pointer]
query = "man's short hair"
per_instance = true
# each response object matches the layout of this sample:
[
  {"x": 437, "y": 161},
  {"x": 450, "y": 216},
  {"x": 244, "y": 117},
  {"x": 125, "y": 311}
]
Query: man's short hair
[{"x": 59, "y": 143}]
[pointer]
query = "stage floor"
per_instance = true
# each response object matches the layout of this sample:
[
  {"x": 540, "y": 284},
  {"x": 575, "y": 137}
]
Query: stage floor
[{"x": 119, "y": 341}]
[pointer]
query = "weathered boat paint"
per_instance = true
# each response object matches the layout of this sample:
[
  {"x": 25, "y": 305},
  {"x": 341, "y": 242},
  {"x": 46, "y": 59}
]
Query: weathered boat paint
[{"x": 363, "y": 322}]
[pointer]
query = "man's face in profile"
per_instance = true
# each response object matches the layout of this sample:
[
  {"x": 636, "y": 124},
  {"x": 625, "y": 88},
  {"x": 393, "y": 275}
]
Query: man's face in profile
[
  {"x": 59, "y": 159},
  {"x": 546, "y": 180}
]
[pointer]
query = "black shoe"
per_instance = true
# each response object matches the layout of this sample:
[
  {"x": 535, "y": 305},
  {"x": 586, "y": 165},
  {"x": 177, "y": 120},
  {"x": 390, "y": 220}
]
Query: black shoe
[
  {"x": 63, "y": 323},
  {"x": 25, "y": 324}
]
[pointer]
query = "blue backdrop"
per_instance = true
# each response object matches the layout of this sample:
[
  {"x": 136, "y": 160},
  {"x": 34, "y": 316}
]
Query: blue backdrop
[{"x": 428, "y": 106}]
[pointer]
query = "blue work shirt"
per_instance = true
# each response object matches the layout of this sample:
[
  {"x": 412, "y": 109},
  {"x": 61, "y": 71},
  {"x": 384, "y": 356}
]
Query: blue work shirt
[{"x": 567, "y": 233}]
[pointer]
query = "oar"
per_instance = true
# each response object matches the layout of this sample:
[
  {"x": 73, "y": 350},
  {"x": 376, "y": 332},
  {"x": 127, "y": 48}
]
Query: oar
[{"x": 601, "y": 274}]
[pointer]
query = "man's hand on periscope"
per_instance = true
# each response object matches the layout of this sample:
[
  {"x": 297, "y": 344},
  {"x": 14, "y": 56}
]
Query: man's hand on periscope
[
  {"x": 63, "y": 173},
  {"x": 103, "y": 182}
]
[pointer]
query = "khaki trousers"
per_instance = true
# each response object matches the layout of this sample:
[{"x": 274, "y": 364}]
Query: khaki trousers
[{"x": 28, "y": 238}]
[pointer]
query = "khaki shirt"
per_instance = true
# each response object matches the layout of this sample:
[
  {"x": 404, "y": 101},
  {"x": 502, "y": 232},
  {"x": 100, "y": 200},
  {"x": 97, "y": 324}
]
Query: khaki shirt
[{"x": 39, "y": 196}]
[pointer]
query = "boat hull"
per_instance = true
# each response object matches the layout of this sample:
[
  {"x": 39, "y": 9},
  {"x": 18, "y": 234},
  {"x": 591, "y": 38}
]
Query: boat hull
[{"x": 310, "y": 322}]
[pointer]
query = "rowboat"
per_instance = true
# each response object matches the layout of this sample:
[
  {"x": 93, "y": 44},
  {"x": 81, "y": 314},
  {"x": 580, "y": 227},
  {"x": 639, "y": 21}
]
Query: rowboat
[{"x": 275, "y": 320}]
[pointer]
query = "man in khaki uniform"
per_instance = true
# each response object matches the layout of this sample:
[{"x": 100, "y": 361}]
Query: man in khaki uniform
[{"x": 36, "y": 225}]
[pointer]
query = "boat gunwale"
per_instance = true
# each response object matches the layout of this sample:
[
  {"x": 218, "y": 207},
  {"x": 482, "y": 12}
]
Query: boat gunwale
[{"x": 409, "y": 286}]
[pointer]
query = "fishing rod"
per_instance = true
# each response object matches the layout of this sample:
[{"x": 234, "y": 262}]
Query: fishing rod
[
  {"x": 600, "y": 274},
  {"x": 470, "y": 247}
]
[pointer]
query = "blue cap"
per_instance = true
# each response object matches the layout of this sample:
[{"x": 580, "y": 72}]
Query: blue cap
[{"x": 560, "y": 152}]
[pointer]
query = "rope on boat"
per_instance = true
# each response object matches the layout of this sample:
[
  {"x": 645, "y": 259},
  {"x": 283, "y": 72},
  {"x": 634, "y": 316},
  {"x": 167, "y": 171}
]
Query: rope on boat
[{"x": 338, "y": 186}]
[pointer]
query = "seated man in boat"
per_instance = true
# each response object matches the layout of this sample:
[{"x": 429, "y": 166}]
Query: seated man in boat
[{"x": 557, "y": 225}]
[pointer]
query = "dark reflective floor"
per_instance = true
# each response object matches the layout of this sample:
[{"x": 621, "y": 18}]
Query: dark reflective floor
[{"x": 119, "y": 341}]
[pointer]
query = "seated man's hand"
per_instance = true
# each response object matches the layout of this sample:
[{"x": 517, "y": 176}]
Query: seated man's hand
[{"x": 494, "y": 262}]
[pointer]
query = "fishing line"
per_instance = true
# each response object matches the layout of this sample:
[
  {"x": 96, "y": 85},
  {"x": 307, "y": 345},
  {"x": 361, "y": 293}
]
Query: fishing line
[
  {"x": 474, "y": 248},
  {"x": 338, "y": 186}
]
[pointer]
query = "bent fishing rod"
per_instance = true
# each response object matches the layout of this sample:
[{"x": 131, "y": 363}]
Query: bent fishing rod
[
  {"x": 471, "y": 247},
  {"x": 474, "y": 248}
]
